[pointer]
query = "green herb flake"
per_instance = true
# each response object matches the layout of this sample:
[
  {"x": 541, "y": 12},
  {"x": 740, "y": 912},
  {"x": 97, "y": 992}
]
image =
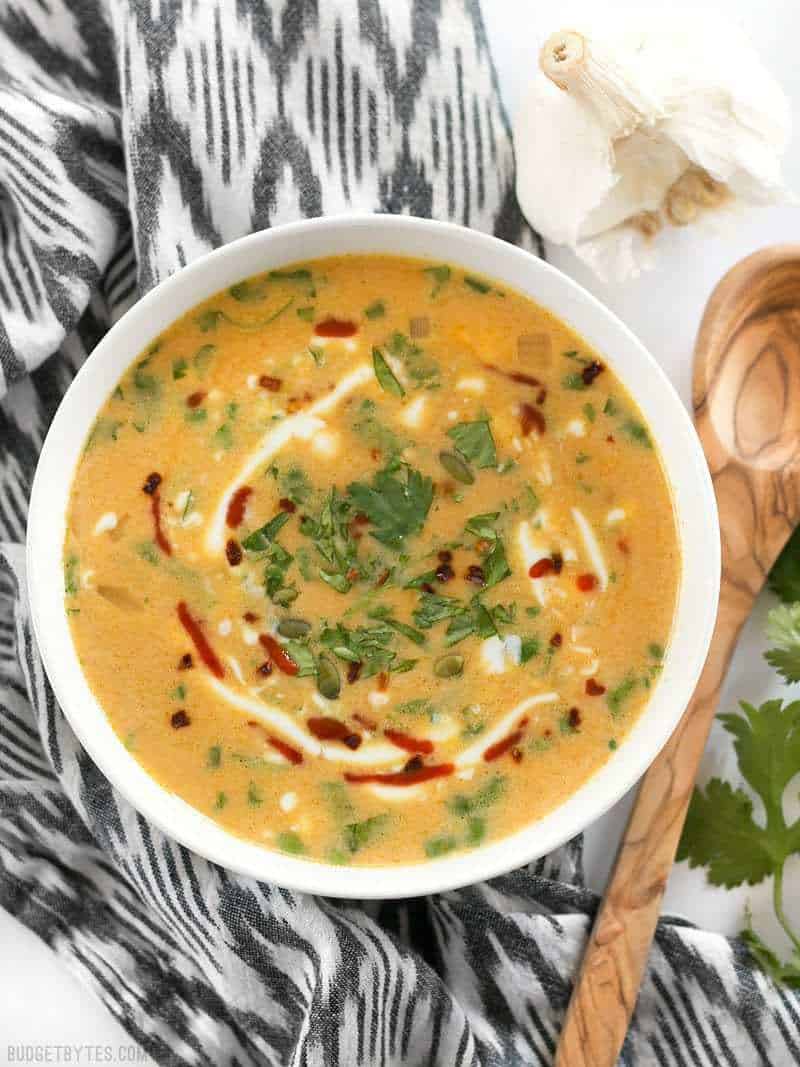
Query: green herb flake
[
  {"x": 637, "y": 432},
  {"x": 255, "y": 797},
  {"x": 440, "y": 277},
  {"x": 530, "y": 648},
  {"x": 148, "y": 552},
  {"x": 259, "y": 540},
  {"x": 214, "y": 757},
  {"x": 221, "y": 801},
  {"x": 306, "y": 313},
  {"x": 358, "y": 835},
  {"x": 574, "y": 382},
  {"x": 289, "y": 841},
  {"x": 383, "y": 372},
  {"x": 195, "y": 415},
  {"x": 617, "y": 696},
  {"x": 376, "y": 310},
  {"x": 465, "y": 804},
  {"x": 179, "y": 369},
  {"x": 440, "y": 846},
  {"x": 71, "y": 577},
  {"x": 590, "y": 412},
  {"x": 249, "y": 291},
  {"x": 477, "y": 284}
]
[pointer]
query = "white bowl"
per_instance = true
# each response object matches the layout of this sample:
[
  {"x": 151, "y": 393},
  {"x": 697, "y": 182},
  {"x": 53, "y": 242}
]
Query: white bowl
[{"x": 672, "y": 430}]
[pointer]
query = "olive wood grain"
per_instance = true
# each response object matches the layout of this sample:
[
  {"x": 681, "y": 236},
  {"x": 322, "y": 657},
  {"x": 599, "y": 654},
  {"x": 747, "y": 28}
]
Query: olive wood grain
[{"x": 747, "y": 412}]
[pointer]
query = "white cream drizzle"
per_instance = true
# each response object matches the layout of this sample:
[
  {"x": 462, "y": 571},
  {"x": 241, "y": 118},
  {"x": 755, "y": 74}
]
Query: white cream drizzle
[{"x": 303, "y": 424}]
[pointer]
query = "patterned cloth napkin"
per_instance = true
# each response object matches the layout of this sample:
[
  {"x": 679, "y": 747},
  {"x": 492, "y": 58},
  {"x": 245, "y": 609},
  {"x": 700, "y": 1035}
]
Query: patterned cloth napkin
[{"x": 134, "y": 136}]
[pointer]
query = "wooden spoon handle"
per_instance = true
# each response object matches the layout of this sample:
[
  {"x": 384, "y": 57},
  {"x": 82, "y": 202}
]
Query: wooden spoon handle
[{"x": 613, "y": 966}]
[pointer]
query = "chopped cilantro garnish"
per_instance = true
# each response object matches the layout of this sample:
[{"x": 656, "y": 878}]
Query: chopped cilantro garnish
[
  {"x": 289, "y": 841},
  {"x": 376, "y": 310},
  {"x": 440, "y": 277},
  {"x": 439, "y": 846},
  {"x": 495, "y": 565},
  {"x": 783, "y": 630},
  {"x": 358, "y": 835},
  {"x": 214, "y": 757},
  {"x": 619, "y": 694},
  {"x": 248, "y": 291},
  {"x": 396, "y": 508},
  {"x": 179, "y": 369},
  {"x": 475, "y": 442},
  {"x": 306, "y": 313},
  {"x": 383, "y": 372},
  {"x": 478, "y": 284},
  {"x": 259, "y": 540},
  {"x": 419, "y": 367},
  {"x": 254, "y": 795},
  {"x": 573, "y": 381},
  {"x": 464, "y": 804},
  {"x": 637, "y": 432},
  {"x": 71, "y": 580}
]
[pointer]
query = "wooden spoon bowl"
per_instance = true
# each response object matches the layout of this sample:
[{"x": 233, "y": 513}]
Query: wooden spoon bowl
[{"x": 747, "y": 412}]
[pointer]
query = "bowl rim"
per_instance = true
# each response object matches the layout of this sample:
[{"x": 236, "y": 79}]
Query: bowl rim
[{"x": 678, "y": 446}]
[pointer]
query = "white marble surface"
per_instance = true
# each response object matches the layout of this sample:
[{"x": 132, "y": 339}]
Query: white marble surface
[{"x": 41, "y": 1001}]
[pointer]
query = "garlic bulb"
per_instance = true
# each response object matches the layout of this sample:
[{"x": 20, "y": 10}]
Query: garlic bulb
[{"x": 630, "y": 128}]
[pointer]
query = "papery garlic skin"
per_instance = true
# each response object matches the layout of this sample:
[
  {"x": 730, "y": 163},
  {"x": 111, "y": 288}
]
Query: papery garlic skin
[{"x": 632, "y": 127}]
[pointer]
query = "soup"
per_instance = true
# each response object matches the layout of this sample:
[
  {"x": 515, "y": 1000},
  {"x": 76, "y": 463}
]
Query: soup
[{"x": 370, "y": 559}]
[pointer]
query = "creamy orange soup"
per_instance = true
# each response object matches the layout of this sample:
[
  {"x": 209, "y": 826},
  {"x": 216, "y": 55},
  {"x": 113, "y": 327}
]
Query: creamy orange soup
[{"x": 370, "y": 559}]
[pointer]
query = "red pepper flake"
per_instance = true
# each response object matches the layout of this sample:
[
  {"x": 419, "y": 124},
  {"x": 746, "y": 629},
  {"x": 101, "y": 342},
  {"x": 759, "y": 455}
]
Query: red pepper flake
[
  {"x": 358, "y": 521},
  {"x": 475, "y": 575},
  {"x": 194, "y": 400},
  {"x": 414, "y": 764},
  {"x": 233, "y": 552},
  {"x": 513, "y": 375},
  {"x": 266, "y": 381},
  {"x": 289, "y": 753},
  {"x": 623, "y": 546},
  {"x": 204, "y": 649},
  {"x": 542, "y": 567},
  {"x": 586, "y": 582},
  {"x": 265, "y": 669},
  {"x": 278, "y": 654},
  {"x": 335, "y": 328},
  {"x": 482, "y": 545},
  {"x": 574, "y": 717},
  {"x": 185, "y": 663},
  {"x": 159, "y": 535},
  {"x": 250, "y": 616},
  {"x": 530, "y": 418},
  {"x": 541, "y": 396},
  {"x": 426, "y": 587},
  {"x": 610, "y": 438},
  {"x": 383, "y": 578},
  {"x": 499, "y": 748},
  {"x": 516, "y": 755},
  {"x": 151, "y": 483},
  {"x": 444, "y": 572},
  {"x": 383, "y": 682},
  {"x": 558, "y": 562},
  {"x": 236, "y": 506},
  {"x": 409, "y": 744},
  {"x": 445, "y": 556},
  {"x": 353, "y": 671},
  {"x": 556, "y": 640},
  {"x": 352, "y": 574},
  {"x": 326, "y": 728},
  {"x": 408, "y": 776},
  {"x": 285, "y": 504},
  {"x": 179, "y": 719},
  {"x": 368, "y": 724},
  {"x": 593, "y": 688},
  {"x": 590, "y": 371}
]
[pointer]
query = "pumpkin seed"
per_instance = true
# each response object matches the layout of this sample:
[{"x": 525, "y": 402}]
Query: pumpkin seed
[
  {"x": 448, "y": 666},
  {"x": 293, "y": 627},
  {"x": 456, "y": 468},
  {"x": 328, "y": 681}
]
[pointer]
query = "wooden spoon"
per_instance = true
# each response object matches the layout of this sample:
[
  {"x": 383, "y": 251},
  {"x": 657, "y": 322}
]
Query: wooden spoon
[{"x": 747, "y": 412}]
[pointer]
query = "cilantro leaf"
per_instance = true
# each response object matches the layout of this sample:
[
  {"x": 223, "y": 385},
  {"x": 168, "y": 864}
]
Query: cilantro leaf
[
  {"x": 495, "y": 565},
  {"x": 383, "y": 372},
  {"x": 788, "y": 973},
  {"x": 784, "y": 578},
  {"x": 783, "y": 629},
  {"x": 483, "y": 525},
  {"x": 433, "y": 607},
  {"x": 475, "y": 442},
  {"x": 259, "y": 540},
  {"x": 720, "y": 834},
  {"x": 358, "y": 835},
  {"x": 417, "y": 364},
  {"x": 396, "y": 508}
]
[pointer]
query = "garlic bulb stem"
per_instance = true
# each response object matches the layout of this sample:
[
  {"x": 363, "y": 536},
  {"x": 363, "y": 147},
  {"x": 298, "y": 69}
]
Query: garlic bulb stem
[{"x": 591, "y": 74}]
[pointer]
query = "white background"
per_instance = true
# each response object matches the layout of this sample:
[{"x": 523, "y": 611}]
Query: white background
[{"x": 41, "y": 1002}]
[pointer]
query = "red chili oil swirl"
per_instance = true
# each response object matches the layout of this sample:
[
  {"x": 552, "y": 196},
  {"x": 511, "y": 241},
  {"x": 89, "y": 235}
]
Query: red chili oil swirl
[
  {"x": 326, "y": 728},
  {"x": 403, "y": 778},
  {"x": 335, "y": 328},
  {"x": 513, "y": 375},
  {"x": 586, "y": 582},
  {"x": 278, "y": 654},
  {"x": 285, "y": 750},
  {"x": 204, "y": 649},
  {"x": 499, "y": 749},
  {"x": 160, "y": 537},
  {"x": 530, "y": 418},
  {"x": 236, "y": 506},
  {"x": 408, "y": 743}
]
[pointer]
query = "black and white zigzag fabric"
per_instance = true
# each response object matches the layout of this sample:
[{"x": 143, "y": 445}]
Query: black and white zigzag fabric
[{"x": 134, "y": 136}]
